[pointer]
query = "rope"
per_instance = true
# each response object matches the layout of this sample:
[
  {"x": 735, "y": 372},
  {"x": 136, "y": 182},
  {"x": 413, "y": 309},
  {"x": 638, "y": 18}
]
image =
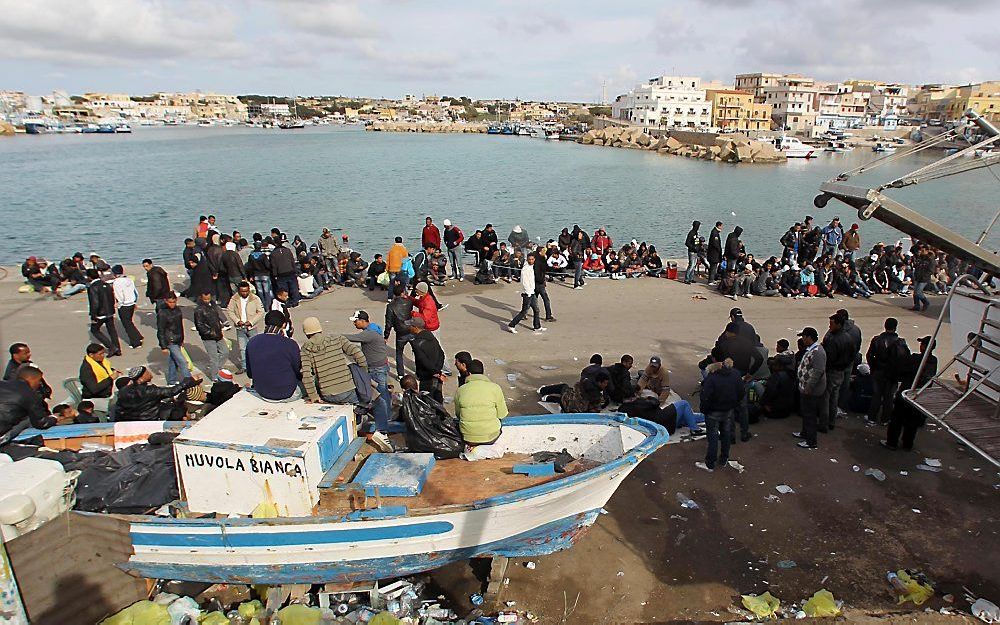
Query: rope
[
  {"x": 889, "y": 158},
  {"x": 916, "y": 176}
]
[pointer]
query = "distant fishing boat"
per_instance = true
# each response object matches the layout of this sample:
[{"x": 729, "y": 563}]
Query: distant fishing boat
[
  {"x": 837, "y": 146},
  {"x": 883, "y": 147},
  {"x": 792, "y": 147},
  {"x": 35, "y": 127},
  {"x": 493, "y": 129},
  {"x": 293, "y": 124},
  {"x": 552, "y": 134}
]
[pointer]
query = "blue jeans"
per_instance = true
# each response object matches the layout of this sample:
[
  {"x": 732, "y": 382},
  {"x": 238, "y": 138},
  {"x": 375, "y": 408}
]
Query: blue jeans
[
  {"x": 383, "y": 405},
  {"x": 243, "y": 336},
  {"x": 692, "y": 263},
  {"x": 577, "y": 273},
  {"x": 456, "y": 256},
  {"x": 177, "y": 369},
  {"x": 719, "y": 427},
  {"x": 73, "y": 289},
  {"x": 400, "y": 363},
  {"x": 217, "y": 352},
  {"x": 289, "y": 283},
  {"x": 686, "y": 416},
  {"x": 918, "y": 295}
]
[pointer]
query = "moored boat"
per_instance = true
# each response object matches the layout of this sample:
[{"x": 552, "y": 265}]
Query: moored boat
[
  {"x": 792, "y": 147},
  {"x": 883, "y": 147}
]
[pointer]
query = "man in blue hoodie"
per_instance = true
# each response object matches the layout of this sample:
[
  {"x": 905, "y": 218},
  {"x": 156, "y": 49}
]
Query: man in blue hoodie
[{"x": 721, "y": 393}]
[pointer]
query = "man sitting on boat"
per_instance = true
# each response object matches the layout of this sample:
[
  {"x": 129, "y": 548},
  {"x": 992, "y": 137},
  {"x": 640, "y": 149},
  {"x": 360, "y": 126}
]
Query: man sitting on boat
[
  {"x": 326, "y": 360},
  {"x": 97, "y": 376},
  {"x": 480, "y": 406},
  {"x": 273, "y": 361},
  {"x": 142, "y": 401},
  {"x": 21, "y": 405}
]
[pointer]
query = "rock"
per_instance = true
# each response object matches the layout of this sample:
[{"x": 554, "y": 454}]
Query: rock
[
  {"x": 673, "y": 144},
  {"x": 743, "y": 154},
  {"x": 598, "y": 141},
  {"x": 662, "y": 151},
  {"x": 725, "y": 152},
  {"x": 643, "y": 140},
  {"x": 587, "y": 138},
  {"x": 617, "y": 143},
  {"x": 714, "y": 151},
  {"x": 6, "y": 130}
]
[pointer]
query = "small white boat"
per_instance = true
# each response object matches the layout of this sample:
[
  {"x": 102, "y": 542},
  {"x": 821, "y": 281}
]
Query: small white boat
[
  {"x": 883, "y": 147},
  {"x": 792, "y": 147},
  {"x": 552, "y": 134},
  {"x": 205, "y": 122},
  {"x": 308, "y": 461},
  {"x": 837, "y": 146},
  {"x": 123, "y": 128}
]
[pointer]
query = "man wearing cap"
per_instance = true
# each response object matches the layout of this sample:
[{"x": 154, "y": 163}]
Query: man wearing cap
[
  {"x": 428, "y": 358},
  {"x": 656, "y": 379},
  {"x": 833, "y": 236},
  {"x": 330, "y": 250},
  {"x": 812, "y": 386},
  {"x": 126, "y": 296},
  {"x": 453, "y": 239},
  {"x": 376, "y": 353},
  {"x": 852, "y": 242},
  {"x": 222, "y": 390},
  {"x": 431, "y": 236},
  {"x": 326, "y": 374},
  {"x": 142, "y": 401},
  {"x": 274, "y": 362}
]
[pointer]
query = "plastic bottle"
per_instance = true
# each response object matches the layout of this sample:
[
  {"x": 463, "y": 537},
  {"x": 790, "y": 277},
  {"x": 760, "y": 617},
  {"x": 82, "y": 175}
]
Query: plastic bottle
[
  {"x": 686, "y": 502},
  {"x": 894, "y": 580}
]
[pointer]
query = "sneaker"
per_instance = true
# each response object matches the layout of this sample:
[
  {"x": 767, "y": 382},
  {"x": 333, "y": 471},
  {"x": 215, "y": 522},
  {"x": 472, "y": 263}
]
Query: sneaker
[
  {"x": 733, "y": 297},
  {"x": 798, "y": 435},
  {"x": 577, "y": 288},
  {"x": 512, "y": 329},
  {"x": 870, "y": 421},
  {"x": 749, "y": 295},
  {"x": 704, "y": 467},
  {"x": 443, "y": 306},
  {"x": 697, "y": 432},
  {"x": 805, "y": 445},
  {"x": 841, "y": 412},
  {"x": 540, "y": 330},
  {"x": 550, "y": 319}
]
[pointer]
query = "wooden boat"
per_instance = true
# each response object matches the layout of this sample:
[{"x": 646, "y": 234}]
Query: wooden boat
[{"x": 463, "y": 509}]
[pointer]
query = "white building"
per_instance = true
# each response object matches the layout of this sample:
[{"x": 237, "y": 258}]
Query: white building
[
  {"x": 888, "y": 102},
  {"x": 793, "y": 102},
  {"x": 666, "y": 102},
  {"x": 277, "y": 110}
]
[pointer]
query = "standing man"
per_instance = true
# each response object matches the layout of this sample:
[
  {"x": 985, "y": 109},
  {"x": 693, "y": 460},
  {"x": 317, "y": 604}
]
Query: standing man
[
  {"x": 833, "y": 236},
  {"x": 812, "y": 386},
  {"x": 101, "y": 297},
  {"x": 453, "y": 239},
  {"x": 258, "y": 269},
  {"x": 428, "y": 309},
  {"x": 887, "y": 356},
  {"x": 232, "y": 274},
  {"x": 170, "y": 333},
  {"x": 431, "y": 236},
  {"x": 397, "y": 313},
  {"x": 283, "y": 270},
  {"x": 733, "y": 248},
  {"x": 394, "y": 263},
  {"x": 852, "y": 242},
  {"x": 208, "y": 323},
  {"x": 691, "y": 243},
  {"x": 747, "y": 359},
  {"x": 157, "y": 283},
  {"x": 854, "y": 332},
  {"x": 428, "y": 358},
  {"x": 839, "y": 348},
  {"x": 539, "y": 268},
  {"x": 529, "y": 297},
  {"x": 245, "y": 312},
  {"x": 126, "y": 296},
  {"x": 326, "y": 372},
  {"x": 714, "y": 253},
  {"x": 376, "y": 353},
  {"x": 923, "y": 269},
  {"x": 330, "y": 250},
  {"x": 721, "y": 393}
]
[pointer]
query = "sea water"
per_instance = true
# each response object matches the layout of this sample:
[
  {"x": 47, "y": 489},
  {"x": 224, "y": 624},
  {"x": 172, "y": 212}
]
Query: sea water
[{"x": 137, "y": 195}]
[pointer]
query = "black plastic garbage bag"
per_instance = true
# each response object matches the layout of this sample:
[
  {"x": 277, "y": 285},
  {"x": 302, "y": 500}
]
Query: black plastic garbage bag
[
  {"x": 429, "y": 427},
  {"x": 133, "y": 480}
]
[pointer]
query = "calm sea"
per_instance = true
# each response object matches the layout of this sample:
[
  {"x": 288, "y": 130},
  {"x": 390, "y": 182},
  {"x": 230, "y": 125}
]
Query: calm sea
[{"x": 131, "y": 196}]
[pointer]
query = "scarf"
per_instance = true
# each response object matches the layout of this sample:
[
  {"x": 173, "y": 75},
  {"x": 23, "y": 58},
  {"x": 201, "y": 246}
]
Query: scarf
[{"x": 102, "y": 370}]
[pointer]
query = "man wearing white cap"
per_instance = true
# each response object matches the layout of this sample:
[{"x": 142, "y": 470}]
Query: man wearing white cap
[{"x": 453, "y": 238}]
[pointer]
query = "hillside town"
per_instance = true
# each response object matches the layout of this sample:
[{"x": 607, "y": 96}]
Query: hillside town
[{"x": 753, "y": 102}]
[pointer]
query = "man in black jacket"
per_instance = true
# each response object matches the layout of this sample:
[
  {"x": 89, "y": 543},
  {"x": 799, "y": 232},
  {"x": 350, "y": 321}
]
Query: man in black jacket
[
  {"x": 714, "y": 253},
  {"x": 733, "y": 247},
  {"x": 142, "y": 401},
  {"x": 97, "y": 377},
  {"x": 721, "y": 394},
  {"x": 283, "y": 271},
  {"x": 839, "y": 347},
  {"x": 258, "y": 271},
  {"x": 170, "y": 334},
  {"x": 854, "y": 332},
  {"x": 231, "y": 268},
  {"x": 21, "y": 405},
  {"x": 540, "y": 291},
  {"x": 101, "y": 297},
  {"x": 428, "y": 359},
  {"x": 157, "y": 283},
  {"x": 375, "y": 269},
  {"x": 746, "y": 360},
  {"x": 691, "y": 243},
  {"x": 887, "y": 356},
  {"x": 208, "y": 323},
  {"x": 621, "y": 388},
  {"x": 397, "y": 313}
]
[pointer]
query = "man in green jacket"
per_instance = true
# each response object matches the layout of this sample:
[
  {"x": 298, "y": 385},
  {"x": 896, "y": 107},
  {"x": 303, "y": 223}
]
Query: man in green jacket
[
  {"x": 326, "y": 374},
  {"x": 480, "y": 405}
]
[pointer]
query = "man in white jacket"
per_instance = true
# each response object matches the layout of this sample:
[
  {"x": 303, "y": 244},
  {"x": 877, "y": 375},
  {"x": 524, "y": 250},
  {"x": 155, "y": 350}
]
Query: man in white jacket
[{"x": 529, "y": 299}]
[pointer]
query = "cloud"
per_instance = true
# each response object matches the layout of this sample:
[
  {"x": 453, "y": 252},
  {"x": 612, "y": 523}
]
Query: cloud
[
  {"x": 117, "y": 32},
  {"x": 532, "y": 26},
  {"x": 336, "y": 19}
]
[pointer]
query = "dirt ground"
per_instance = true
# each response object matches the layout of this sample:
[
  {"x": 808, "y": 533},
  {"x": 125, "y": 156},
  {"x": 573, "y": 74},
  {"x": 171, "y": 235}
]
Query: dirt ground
[{"x": 648, "y": 559}]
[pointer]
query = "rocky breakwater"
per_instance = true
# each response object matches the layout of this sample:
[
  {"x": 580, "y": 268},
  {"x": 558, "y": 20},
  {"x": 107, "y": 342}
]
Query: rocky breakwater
[
  {"x": 425, "y": 127},
  {"x": 705, "y": 146},
  {"x": 6, "y": 130}
]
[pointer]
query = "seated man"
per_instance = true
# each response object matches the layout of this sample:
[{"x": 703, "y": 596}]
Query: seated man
[
  {"x": 326, "y": 360},
  {"x": 673, "y": 415},
  {"x": 139, "y": 400},
  {"x": 222, "y": 390},
  {"x": 85, "y": 413},
  {"x": 780, "y": 390},
  {"x": 587, "y": 395},
  {"x": 655, "y": 378},
  {"x": 480, "y": 406},
  {"x": 20, "y": 404},
  {"x": 274, "y": 362},
  {"x": 621, "y": 387},
  {"x": 97, "y": 376},
  {"x": 64, "y": 414}
]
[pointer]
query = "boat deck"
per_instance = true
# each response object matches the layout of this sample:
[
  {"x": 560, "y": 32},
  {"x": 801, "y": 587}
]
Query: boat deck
[
  {"x": 975, "y": 419},
  {"x": 450, "y": 482}
]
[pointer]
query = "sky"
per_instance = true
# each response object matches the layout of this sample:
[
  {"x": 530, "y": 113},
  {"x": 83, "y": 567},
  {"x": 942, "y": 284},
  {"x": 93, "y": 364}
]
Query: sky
[{"x": 555, "y": 50}]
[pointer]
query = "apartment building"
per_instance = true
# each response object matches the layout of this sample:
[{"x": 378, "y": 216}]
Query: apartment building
[
  {"x": 756, "y": 82},
  {"x": 983, "y": 97},
  {"x": 889, "y": 101},
  {"x": 793, "y": 102},
  {"x": 665, "y": 102},
  {"x": 733, "y": 109}
]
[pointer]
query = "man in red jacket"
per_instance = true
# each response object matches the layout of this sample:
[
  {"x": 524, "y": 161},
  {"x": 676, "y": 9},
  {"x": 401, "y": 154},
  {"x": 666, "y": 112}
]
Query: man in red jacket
[
  {"x": 426, "y": 309},
  {"x": 431, "y": 236}
]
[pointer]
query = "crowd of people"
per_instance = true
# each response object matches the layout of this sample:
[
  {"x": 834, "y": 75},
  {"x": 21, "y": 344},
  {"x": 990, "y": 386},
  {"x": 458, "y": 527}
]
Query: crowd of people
[{"x": 246, "y": 288}]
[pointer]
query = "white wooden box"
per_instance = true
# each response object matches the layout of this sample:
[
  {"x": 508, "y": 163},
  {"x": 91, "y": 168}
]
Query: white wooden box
[{"x": 249, "y": 451}]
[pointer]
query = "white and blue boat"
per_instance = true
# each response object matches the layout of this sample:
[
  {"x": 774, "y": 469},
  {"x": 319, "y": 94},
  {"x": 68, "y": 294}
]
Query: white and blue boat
[{"x": 450, "y": 510}]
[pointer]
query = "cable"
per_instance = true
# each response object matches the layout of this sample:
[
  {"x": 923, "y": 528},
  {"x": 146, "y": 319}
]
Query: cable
[{"x": 884, "y": 160}]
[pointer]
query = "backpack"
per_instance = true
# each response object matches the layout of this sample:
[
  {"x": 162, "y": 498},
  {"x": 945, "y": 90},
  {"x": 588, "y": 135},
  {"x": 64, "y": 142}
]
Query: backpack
[{"x": 897, "y": 356}]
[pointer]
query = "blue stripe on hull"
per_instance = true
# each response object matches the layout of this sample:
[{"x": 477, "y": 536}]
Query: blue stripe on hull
[
  {"x": 285, "y": 539},
  {"x": 543, "y": 540}
]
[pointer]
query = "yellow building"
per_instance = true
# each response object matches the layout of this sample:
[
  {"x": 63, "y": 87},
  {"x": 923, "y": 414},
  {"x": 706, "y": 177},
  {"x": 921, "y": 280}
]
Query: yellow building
[
  {"x": 734, "y": 109},
  {"x": 984, "y": 98}
]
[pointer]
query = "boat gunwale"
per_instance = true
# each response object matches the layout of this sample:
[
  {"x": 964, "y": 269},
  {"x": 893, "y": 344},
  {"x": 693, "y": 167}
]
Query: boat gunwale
[{"x": 656, "y": 437}]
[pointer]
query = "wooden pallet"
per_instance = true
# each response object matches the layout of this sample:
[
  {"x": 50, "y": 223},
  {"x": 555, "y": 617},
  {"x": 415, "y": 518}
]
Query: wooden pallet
[{"x": 974, "y": 419}]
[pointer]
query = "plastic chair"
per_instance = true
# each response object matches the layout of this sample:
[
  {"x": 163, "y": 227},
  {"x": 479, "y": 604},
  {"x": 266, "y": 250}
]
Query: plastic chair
[{"x": 102, "y": 405}]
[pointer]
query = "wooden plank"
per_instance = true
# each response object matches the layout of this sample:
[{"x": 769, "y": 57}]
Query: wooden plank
[
  {"x": 330, "y": 478},
  {"x": 67, "y": 571}
]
